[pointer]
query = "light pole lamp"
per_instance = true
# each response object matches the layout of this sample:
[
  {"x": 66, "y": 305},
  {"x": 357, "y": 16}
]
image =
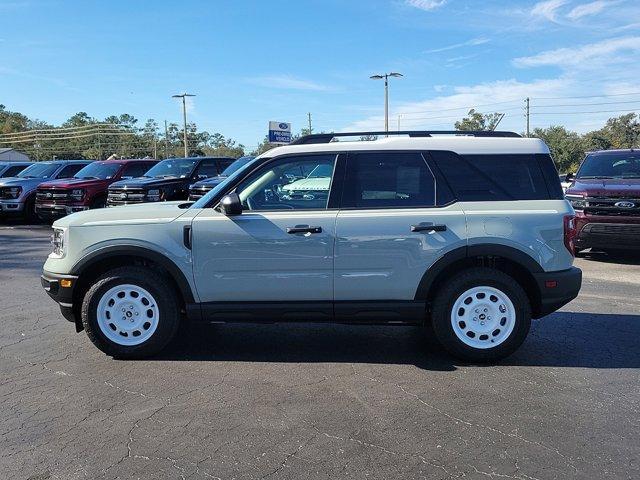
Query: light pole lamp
[
  {"x": 386, "y": 76},
  {"x": 184, "y": 116}
]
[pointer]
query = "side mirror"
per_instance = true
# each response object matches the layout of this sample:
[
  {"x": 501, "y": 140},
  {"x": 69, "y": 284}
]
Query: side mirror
[
  {"x": 570, "y": 177},
  {"x": 231, "y": 204}
]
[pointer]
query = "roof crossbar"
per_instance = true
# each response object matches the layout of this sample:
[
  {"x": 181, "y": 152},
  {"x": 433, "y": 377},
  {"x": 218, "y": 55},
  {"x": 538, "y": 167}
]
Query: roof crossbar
[{"x": 328, "y": 137}]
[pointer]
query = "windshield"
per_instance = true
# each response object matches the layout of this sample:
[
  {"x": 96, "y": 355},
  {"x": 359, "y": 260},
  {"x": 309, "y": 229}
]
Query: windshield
[
  {"x": 173, "y": 167},
  {"x": 98, "y": 170},
  {"x": 222, "y": 185},
  {"x": 241, "y": 162},
  {"x": 39, "y": 170},
  {"x": 611, "y": 166}
]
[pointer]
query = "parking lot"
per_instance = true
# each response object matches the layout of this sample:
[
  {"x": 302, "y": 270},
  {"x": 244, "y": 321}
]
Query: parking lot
[{"x": 301, "y": 401}]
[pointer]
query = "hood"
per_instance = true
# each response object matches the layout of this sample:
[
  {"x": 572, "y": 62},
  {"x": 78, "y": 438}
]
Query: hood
[
  {"x": 320, "y": 183},
  {"x": 25, "y": 183},
  {"x": 143, "y": 213},
  {"x": 146, "y": 182},
  {"x": 615, "y": 187},
  {"x": 209, "y": 182},
  {"x": 75, "y": 183}
]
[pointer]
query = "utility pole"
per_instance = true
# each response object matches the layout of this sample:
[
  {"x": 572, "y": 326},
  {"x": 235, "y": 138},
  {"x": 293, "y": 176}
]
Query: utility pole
[
  {"x": 166, "y": 141},
  {"x": 399, "y": 115},
  {"x": 386, "y": 76},
  {"x": 527, "y": 114},
  {"x": 184, "y": 115},
  {"x": 309, "y": 116}
]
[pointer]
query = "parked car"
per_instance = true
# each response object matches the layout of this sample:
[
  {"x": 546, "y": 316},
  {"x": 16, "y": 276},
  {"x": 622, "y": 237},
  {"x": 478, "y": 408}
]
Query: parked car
[
  {"x": 605, "y": 193},
  {"x": 168, "y": 180},
  {"x": 11, "y": 169},
  {"x": 201, "y": 188},
  {"x": 469, "y": 234},
  {"x": 18, "y": 194},
  {"x": 87, "y": 188}
]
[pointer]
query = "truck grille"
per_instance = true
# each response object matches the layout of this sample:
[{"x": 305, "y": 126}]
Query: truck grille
[
  {"x": 198, "y": 193},
  {"x": 612, "y": 206},
  {"x": 121, "y": 196},
  {"x": 612, "y": 229},
  {"x": 52, "y": 196}
]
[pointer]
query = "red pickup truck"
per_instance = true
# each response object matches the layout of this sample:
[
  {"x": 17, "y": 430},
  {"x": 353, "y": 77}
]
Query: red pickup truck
[
  {"x": 605, "y": 193},
  {"x": 87, "y": 189}
]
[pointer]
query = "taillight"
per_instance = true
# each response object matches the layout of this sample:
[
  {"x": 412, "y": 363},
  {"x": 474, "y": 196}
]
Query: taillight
[{"x": 570, "y": 233}]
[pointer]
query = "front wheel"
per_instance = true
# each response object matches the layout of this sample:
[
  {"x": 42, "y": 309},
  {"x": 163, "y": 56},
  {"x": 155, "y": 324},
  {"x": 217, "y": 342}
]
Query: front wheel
[
  {"x": 130, "y": 312},
  {"x": 481, "y": 315}
]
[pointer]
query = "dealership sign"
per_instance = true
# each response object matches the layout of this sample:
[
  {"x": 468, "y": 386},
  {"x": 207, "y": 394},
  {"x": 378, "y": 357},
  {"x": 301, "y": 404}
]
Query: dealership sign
[{"x": 279, "y": 132}]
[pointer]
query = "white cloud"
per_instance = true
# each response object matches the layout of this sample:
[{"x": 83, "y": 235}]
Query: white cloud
[
  {"x": 548, "y": 9},
  {"x": 587, "y": 9},
  {"x": 287, "y": 82},
  {"x": 426, "y": 4},
  {"x": 469, "y": 43},
  {"x": 590, "y": 55}
]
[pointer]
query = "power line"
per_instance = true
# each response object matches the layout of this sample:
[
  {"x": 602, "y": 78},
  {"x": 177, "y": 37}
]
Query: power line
[
  {"x": 587, "y": 96},
  {"x": 577, "y": 113},
  {"x": 61, "y": 129},
  {"x": 587, "y": 104}
]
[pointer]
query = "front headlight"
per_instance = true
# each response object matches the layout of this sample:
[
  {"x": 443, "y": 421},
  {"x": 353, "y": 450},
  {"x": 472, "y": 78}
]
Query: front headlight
[
  {"x": 11, "y": 192},
  {"x": 154, "y": 195},
  {"x": 77, "y": 194},
  {"x": 58, "y": 242},
  {"x": 578, "y": 202}
]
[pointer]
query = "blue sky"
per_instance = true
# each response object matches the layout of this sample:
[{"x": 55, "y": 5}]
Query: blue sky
[{"x": 254, "y": 61}]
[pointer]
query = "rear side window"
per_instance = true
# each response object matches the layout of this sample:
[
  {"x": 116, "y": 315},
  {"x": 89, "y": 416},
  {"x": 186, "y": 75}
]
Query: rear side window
[
  {"x": 388, "y": 180},
  {"x": 493, "y": 177}
]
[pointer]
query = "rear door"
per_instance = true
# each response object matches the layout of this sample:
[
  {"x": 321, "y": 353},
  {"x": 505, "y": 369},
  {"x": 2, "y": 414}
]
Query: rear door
[{"x": 392, "y": 225}]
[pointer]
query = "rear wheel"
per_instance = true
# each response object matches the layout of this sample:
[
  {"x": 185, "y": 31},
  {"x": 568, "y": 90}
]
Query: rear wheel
[
  {"x": 481, "y": 315},
  {"x": 130, "y": 312}
]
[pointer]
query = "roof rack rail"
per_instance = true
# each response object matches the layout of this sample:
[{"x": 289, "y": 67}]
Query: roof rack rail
[{"x": 328, "y": 137}]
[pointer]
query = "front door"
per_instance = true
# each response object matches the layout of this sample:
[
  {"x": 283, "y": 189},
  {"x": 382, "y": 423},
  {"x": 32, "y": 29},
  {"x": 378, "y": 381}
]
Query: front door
[{"x": 278, "y": 254}]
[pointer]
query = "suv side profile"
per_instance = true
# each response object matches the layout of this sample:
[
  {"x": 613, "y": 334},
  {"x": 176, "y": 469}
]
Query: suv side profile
[
  {"x": 412, "y": 231},
  {"x": 18, "y": 194}
]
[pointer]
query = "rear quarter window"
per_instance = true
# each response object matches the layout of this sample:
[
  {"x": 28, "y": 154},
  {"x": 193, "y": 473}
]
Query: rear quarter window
[{"x": 496, "y": 177}]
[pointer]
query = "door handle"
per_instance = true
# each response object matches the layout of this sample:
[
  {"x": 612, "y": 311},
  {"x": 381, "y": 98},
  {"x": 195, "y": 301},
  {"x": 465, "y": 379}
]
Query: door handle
[
  {"x": 186, "y": 236},
  {"x": 304, "y": 229},
  {"x": 428, "y": 228}
]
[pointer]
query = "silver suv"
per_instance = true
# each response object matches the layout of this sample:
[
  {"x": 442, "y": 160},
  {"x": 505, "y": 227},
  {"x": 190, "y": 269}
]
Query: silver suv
[{"x": 466, "y": 234}]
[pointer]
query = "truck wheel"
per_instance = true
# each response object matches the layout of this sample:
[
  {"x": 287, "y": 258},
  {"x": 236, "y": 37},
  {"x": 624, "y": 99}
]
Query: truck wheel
[
  {"x": 130, "y": 312},
  {"x": 481, "y": 315},
  {"x": 99, "y": 202}
]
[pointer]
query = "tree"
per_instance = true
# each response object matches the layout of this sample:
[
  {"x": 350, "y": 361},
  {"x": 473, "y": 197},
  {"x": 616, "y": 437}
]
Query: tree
[
  {"x": 567, "y": 148},
  {"x": 478, "y": 121},
  {"x": 619, "y": 132},
  {"x": 264, "y": 146}
]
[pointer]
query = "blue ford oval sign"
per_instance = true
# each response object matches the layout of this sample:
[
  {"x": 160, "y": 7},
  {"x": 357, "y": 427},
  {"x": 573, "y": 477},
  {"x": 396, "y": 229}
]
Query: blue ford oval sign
[{"x": 283, "y": 126}]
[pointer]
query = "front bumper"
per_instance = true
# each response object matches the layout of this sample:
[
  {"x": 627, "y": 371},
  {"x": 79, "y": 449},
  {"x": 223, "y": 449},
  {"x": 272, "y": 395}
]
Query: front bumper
[
  {"x": 597, "y": 231},
  {"x": 62, "y": 295},
  {"x": 11, "y": 207},
  {"x": 557, "y": 289},
  {"x": 51, "y": 211}
]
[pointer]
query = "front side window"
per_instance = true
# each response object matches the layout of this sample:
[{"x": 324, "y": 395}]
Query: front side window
[
  {"x": 69, "y": 171},
  {"x": 388, "y": 180},
  {"x": 135, "y": 170},
  {"x": 607, "y": 165},
  {"x": 12, "y": 171},
  {"x": 294, "y": 183},
  {"x": 207, "y": 169}
]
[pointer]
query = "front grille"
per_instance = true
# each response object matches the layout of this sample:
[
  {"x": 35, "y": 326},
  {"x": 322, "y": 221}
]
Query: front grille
[
  {"x": 612, "y": 229},
  {"x": 198, "y": 193},
  {"x": 122, "y": 196},
  {"x": 612, "y": 206},
  {"x": 52, "y": 196}
]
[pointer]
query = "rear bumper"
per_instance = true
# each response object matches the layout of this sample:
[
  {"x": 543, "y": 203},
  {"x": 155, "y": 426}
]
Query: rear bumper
[
  {"x": 557, "y": 289},
  {"x": 63, "y": 296}
]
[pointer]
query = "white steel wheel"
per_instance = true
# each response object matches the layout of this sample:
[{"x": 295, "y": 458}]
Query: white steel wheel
[
  {"x": 127, "y": 315},
  {"x": 483, "y": 317}
]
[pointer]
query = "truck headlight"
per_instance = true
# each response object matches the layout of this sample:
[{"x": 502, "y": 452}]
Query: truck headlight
[
  {"x": 58, "y": 242},
  {"x": 11, "y": 192},
  {"x": 77, "y": 194},
  {"x": 578, "y": 202},
  {"x": 154, "y": 195}
]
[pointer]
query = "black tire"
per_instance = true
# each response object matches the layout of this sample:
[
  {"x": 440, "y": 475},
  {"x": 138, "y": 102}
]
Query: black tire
[
  {"x": 30, "y": 215},
  {"x": 166, "y": 299},
  {"x": 443, "y": 304},
  {"x": 100, "y": 202}
]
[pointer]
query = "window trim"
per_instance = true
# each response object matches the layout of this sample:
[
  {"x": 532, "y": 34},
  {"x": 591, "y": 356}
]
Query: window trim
[
  {"x": 390, "y": 207},
  {"x": 339, "y": 157}
]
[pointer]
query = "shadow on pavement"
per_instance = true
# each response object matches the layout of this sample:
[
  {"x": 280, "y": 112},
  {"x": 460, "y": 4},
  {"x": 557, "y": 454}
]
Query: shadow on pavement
[{"x": 565, "y": 339}]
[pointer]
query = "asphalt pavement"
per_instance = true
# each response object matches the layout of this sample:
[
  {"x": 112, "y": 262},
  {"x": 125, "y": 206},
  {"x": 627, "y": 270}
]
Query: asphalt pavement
[{"x": 318, "y": 401}]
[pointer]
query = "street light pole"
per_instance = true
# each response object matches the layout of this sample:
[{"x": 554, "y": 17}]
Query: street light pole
[
  {"x": 184, "y": 115},
  {"x": 386, "y": 76}
]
